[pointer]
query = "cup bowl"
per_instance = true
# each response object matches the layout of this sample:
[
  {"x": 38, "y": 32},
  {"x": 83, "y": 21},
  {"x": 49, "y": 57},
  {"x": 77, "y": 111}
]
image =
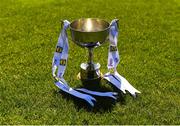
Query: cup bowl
[{"x": 89, "y": 32}]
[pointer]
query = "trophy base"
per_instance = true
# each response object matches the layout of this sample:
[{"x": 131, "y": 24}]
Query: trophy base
[{"x": 90, "y": 74}]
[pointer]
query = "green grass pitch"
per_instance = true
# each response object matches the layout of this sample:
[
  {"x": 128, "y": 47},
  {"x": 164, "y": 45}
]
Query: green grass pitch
[{"x": 148, "y": 44}]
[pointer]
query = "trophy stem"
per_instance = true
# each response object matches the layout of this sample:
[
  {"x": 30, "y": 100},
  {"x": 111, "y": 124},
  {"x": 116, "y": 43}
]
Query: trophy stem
[
  {"x": 90, "y": 59},
  {"x": 90, "y": 73}
]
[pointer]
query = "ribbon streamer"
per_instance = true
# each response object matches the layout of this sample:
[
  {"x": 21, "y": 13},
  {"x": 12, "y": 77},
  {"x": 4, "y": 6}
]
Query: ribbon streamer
[
  {"x": 102, "y": 94},
  {"x": 113, "y": 60},
  {"x": 75, "y": 93}
]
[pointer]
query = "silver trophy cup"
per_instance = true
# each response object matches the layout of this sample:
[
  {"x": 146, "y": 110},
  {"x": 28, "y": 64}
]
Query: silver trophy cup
[{"x": 89, "y": 33}]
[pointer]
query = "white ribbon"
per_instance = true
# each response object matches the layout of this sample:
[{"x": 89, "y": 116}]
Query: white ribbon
[
  {"x": 60, "y": 61},
  {"x": 102, "y": 94},
  {"x": 113, "y": 60},
  {"x": 75, "y": 93},
  {"x": 113, "y": 54},
  {"x": 61, "y": 54}
]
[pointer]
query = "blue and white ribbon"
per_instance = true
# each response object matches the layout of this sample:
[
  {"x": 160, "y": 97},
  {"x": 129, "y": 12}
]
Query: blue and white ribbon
[
  {"x": 113, "y": 60},
  {"x": 91, "y": 100},
  {"x": 59, "y": 66},
  {"x": 102, "y": 94}
]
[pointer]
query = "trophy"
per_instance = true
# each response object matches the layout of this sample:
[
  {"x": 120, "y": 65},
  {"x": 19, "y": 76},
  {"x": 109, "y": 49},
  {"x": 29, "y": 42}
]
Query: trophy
[{"x": 89, "y": 33}]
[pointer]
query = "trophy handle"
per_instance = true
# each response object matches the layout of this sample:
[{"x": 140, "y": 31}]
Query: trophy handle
[
  {"x": 112, "y": 23},
  {"x": 62, "y": 22},
  {"x": 115, "y": 21}
]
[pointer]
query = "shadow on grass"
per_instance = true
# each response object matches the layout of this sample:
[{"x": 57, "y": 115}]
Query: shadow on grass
[{"x": 102, "y": 104}]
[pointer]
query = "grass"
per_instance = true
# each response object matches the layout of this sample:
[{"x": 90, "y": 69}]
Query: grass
[{"x": 148, "y": 45}]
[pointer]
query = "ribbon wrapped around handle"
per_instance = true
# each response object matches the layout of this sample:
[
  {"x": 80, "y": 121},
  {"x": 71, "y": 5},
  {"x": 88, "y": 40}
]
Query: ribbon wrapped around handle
[{"x": 113, "y": 60}]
